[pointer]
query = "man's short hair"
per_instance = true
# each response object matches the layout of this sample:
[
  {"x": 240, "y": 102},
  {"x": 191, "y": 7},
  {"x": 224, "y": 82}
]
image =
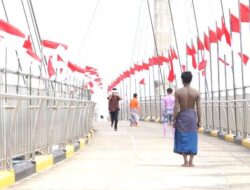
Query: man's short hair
[
  {"x": 134, "y": 95},
  {"x": 169, "y": 90},
  {"x": 186, "y": 77}
]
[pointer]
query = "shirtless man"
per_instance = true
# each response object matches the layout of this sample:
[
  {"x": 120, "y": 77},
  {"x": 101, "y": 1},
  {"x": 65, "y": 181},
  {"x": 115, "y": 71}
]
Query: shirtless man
[{"x": 186, "y": 120}]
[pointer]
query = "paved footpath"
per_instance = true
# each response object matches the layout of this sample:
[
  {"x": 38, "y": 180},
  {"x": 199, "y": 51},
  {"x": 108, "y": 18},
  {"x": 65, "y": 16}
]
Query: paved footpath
[{"x": 140, "y": 159}]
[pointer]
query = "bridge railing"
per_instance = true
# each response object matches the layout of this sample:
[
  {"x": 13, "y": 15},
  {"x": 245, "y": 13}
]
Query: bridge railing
[
  {"x": 31, "y": 124},
  {"x": 225, "y": 116}
]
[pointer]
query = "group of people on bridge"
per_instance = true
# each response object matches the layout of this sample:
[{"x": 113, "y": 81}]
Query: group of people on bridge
[{"x": 181, "y": 114}]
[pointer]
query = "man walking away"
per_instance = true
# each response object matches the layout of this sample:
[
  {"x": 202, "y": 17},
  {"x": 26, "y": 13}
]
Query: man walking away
[{"x": 113, "y": 107}]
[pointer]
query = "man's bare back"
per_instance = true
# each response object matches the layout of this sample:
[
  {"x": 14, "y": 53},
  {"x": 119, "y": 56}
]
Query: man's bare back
[{"x": 187, "y": 98}]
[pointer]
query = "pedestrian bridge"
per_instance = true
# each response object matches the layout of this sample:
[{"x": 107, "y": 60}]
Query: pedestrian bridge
[{"x": 139, "y": 158}]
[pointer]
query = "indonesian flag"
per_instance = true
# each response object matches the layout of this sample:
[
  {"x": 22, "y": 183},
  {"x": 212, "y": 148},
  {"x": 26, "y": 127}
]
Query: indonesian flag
[{"x": 10, "y": 29}]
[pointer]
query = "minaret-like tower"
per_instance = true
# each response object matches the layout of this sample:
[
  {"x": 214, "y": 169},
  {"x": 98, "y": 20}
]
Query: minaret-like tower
[{"x": 162, "y": 26}]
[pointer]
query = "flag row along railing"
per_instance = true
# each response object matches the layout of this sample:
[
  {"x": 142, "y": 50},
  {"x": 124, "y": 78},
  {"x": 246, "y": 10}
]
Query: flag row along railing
[
  {"x": 229, "y": 116},
  {"x": 51, "y": 61}
]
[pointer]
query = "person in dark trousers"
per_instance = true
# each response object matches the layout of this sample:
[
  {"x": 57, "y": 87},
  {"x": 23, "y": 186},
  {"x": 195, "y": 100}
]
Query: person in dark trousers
[{"x": 113, "y": 101}]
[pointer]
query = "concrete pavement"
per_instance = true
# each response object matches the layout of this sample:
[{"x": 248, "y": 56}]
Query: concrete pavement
[{"x": 140, "y": 159}]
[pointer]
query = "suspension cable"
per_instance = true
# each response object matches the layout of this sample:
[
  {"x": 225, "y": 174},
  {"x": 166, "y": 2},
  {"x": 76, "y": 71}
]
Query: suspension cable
[{"x": 88, "y": 28}]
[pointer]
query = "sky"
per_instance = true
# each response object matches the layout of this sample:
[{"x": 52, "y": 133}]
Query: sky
[{"x": 111, "y": 35}]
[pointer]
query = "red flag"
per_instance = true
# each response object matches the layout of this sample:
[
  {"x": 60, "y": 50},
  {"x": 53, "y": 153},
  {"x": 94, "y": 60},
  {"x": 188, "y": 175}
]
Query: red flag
[
  {"x": 59, "y": 58},
  {"x": 142, "y": 82},
  {"x": 171, "y": 74},
  {"x": 212, "y": 36},
  {"x": 219, "y": 33},
  {"x": 136, "y": 67},
  {"x": 88, "y": 68},
  {"x": 226, "y": 33},
  {"x": 183, "y": 67},
  {"x": 173, "y": 53},
  {"x": 61, "y": 70},
  {"x": 200, "y": 45},
  {"x": 192, "y": 52},
  {"x": 74, "y": 68},
  {"x": 194, "y": 64},
  {"x": 127, "y": 74},
  {"x": 33, "y": 54},
  {"x": 51, "y": 70},
  {"x": 189, "y": 50},
  {"x": 150, "y": 61},
  {"x": 91, "y": 91},
  {"x": 145, "y": 66},
  {"x": 244, "y": 13},
  {"x": 202, "y": 65},
  {"x": 91, "y": 85},
  {"x": 132, "y": 71},
  {"x": 27, "y": 44},
  {"x": 224, "y": 62},
  {"x": 8, "y": 28},
  {"x": 53, "y": 45},
  {"x": 203, "y": 72},
  {"x": 206, "y": 42},
  {"x": 244, "y": 58},
  {"x": 235, "y": 24}
]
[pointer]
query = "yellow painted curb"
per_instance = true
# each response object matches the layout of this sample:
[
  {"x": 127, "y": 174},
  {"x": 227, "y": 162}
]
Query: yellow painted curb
[
  {"x": 201, "y": 130},
  {"x": 92, "y": 132},
  {"x": 147, "y": 119},
  {"x": 157, "y": 120},
  {"x": 246, "y": 142},
  {"x": 69, "y": 151},
  {"x": 214, "y": 133},
  {"x": 7, "y": 178},
  {"x": 43, "y": 162},
  {"x": 89, "y": 135},
  {"x": 229, "y": 138},
  {"x": 82, "y": 143}
]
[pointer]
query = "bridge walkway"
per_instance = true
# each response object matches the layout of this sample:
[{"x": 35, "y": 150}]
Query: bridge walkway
[{"x": 141, "y": 159}]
